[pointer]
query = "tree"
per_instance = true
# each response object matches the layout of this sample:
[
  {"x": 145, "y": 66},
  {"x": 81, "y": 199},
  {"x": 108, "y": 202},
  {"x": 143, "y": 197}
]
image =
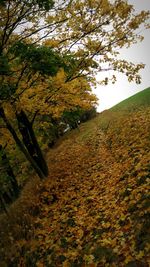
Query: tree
[
  {"x": 92, "y": 31},
  {"x": 95, "y": 31},
  {"x": 20, "y": 144},
  {"x": 78, "y": 115},
  {"x": 9, "y": 189},
  {"x": 21, "y": 66}
]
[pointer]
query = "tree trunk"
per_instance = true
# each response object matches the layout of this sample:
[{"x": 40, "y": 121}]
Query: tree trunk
[
  {"x": 30, "y": 141},
  {"x": 3, "y": 205},
  {"x": 20, "y": 144},
  {"x": 9, "y": 172}
]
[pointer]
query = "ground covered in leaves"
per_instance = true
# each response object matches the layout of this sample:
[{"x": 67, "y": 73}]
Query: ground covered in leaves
[{"x": 93, "y": 210}]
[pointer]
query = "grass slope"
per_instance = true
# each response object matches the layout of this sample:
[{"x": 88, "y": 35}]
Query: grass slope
[
  {"x": 93, "y": 210},
  {"x": 136, "y": 101}
]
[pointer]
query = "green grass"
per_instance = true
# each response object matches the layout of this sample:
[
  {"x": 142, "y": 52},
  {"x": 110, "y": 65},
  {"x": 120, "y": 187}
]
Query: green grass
[
  {"x": 108, "y": 118},
  {"x": 134, "y": 102}
]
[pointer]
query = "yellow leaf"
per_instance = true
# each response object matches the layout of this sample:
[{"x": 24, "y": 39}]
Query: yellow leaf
[
  {"x": 106, "y": 225},
  {"x": 80, "y": 233},
  {"x": 66, "y": 264},
  {"x": 140, "y": 255},
  {"x": 39, "y": 264},
  {"x": 128, "y": 259}
]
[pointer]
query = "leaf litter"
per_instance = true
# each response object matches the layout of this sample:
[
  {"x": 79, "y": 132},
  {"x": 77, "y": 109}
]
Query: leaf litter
[{"x": 94, "y": 206}]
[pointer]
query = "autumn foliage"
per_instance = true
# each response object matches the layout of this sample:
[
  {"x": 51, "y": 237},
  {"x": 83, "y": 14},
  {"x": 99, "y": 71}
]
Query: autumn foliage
[
  {"x": 93, "y": 210},
  {"x": 83, "y": 214},
  {"x": 50, "y": 53}
]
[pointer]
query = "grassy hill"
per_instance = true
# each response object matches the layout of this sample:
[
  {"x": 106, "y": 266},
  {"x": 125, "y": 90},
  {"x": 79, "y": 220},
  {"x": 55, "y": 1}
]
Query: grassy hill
[
  {"x": 93, "y": 210},
  {"x": 134, "y": 102}
]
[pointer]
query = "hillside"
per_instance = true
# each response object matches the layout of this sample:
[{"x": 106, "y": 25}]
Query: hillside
[
  {"x": 93, "y": 209},
  {"x": 134, "y": 102}
]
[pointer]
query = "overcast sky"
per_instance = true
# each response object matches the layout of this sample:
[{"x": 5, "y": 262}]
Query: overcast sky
[{"x": 140, "y": 53}]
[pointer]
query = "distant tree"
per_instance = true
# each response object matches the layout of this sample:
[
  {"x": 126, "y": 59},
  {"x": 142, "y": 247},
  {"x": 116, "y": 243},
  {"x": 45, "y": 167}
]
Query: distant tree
[{"x": 74, "y": 117}]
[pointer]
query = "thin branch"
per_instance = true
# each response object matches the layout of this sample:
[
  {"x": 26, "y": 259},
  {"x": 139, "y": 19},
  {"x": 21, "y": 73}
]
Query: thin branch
[
  {"x": 42, "y": 28},
  {"x": 6, "y": 26},
  {"x": 34, "y": 116},
  {"x": 27, "y": 87},
  {"x": 21, "y": 75}
]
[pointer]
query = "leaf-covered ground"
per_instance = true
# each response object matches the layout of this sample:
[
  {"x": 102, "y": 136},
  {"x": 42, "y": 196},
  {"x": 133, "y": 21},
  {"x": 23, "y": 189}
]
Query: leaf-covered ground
[{"x": 93, "y": 210}]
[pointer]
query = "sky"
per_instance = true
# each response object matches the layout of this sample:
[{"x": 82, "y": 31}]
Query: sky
[{"x": 110, "y": 95}]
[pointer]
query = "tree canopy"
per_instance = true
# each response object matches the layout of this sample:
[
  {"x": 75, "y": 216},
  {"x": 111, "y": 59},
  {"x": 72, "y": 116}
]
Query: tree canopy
[
  {"x": 38, "y": 38},
  {"x": 92, "y": 31}
]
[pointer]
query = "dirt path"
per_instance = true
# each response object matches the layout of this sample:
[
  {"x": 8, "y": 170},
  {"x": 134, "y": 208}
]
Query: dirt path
[
  {"x": 83, "y": 220},
  {"x": 90, "y": 211}
]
